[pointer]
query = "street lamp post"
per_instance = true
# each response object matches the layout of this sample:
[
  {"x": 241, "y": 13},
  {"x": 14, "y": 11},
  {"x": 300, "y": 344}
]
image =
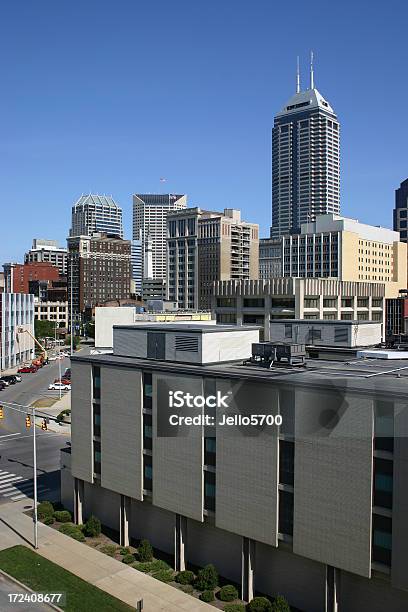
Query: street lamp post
[{"x": 35, "y": 517}]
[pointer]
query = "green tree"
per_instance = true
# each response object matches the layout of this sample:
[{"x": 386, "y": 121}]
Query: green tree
[
  {"x": 77, "y": 340},
  {"x": 145, "y": 551},
  {"x": 207, "y": 578},
  {"x": 90, "y": 329},
  {"x": 43, "y": 329}
]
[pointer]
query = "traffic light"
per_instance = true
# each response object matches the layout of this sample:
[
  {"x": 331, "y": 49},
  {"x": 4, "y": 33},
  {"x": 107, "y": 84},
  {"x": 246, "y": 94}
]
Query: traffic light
[
  {"x": 28, "y": 421},
  {"x": 1, "y": 412},
  {"x": 44, "y": 425}
]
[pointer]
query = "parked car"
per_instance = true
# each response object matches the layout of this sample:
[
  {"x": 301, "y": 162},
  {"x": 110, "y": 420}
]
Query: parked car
[
  {"x": 27, "y": 370},
  {"x": 10, "y": 379},
  {"x": 53, "y": 358},
  {"x": 5, "y": 382},
  {"x": 17, "y": 377},
  {"x": 63, "y": 381},
  {"x": 59, "y": 387},
  {"x": 2, "y": 385}
]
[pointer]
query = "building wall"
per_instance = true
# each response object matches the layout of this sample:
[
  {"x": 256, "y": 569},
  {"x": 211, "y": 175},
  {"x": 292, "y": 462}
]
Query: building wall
[
  {"x": 52, "y": 311},
  {"x": 81, "y": 421},
  {"x": 16, "y": 311}
]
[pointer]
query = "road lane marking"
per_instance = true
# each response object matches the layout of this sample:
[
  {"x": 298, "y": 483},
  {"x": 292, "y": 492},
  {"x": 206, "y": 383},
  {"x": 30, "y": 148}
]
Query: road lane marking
[{"x": 9, "y": 435}]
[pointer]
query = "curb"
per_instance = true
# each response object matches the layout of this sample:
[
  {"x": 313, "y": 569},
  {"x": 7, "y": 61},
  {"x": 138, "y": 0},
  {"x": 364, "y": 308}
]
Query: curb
[{"x": 26, "y": 588}]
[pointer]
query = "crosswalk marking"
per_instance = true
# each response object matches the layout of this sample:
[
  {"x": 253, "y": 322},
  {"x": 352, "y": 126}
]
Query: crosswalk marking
[{"x": 14, "y": 488}]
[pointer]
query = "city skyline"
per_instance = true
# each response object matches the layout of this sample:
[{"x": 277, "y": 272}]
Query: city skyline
[{"x": 225, "y": 93}]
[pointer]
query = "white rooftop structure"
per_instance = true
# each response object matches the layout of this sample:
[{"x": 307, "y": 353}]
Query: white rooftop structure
[{"x": 335, "y": 223}]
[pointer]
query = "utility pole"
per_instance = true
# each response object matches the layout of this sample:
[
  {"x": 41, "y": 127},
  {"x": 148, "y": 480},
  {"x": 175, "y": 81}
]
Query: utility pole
[
  {"x": 35, "y": 517},
  {"x": 71, "y": 309}
]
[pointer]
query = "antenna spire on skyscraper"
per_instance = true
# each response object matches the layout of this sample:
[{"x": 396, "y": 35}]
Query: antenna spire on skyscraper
[
  {"x": 297, "y": 76},
  {"x": 311, "y": 71}
]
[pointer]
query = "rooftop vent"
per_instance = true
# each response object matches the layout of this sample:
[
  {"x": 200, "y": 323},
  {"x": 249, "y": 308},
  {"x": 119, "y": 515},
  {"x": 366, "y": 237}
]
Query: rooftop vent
[{"x": 267, "y": 354}]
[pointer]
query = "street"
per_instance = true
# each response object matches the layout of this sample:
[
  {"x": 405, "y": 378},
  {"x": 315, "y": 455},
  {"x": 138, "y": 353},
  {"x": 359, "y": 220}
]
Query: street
[
  {"x": 16, "y": 442},
  {"x": 9, "y": 587}
]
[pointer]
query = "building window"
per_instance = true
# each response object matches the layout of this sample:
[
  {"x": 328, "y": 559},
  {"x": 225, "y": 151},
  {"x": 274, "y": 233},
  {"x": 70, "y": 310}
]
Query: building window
[
  {"x": 383, "y": 482},
  {"x": 96, "y": 382},
  {"x": 226, "y": 302},
  {"x": 329, "y": 302},
  {"x": 283, "y": 302},
  {"x": 147, "y": 390},
  {"x": 147, "y": 472},
  {"x": 286, "y": 512},
  {"x": 347, "y": 302},
  {"x": 362, "y": 302},
  {"x": 227, "y": 319},
  {"x": 254, "y": 303},
  {"x": 209, "y": 451},
  {"x": 286, "y": 462},
  {"x": 382, "y": 539},
  {"x": 288, "y": 330},
  {"x": 97, "y": 456},
  {"x": 384, "y": 426},
  {"x": 147, "y": 431},
  {"x": 209, "y": 491},
  {"x": 312, "y": 302}
]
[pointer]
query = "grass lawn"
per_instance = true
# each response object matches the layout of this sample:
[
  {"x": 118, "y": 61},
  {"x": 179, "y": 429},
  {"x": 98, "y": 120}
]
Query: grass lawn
[
  {"x": 46, "y": 577},
  {"x": 45, "y": 402}
]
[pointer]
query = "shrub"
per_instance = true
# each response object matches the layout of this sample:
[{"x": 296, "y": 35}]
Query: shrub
[
  {"x": 128, "y": 559},
  {"x": 49, "y": 520},
  {"x": 124, "y": 550},
  {"x": 234, "y": 608},
  {"x": 62, "y": 516},
  {"x": 163, "y": 575},
  {"x": 207, "y": 578},
  {"x": 108, "y": 549},
  {"x": 259, "y": 604},
  {"x": 64, "y": 413},
  {"x": 185, "y": 577},
  {"x": 72, "y": 531},
  {"x": 280, "y": 605},
  {"x": 158, "y": 564},
  {"x": 187, "y": 588},
  {"x": 44, "y": 509},
  {"x": 207, "y": 596},
  {"x": 228, "y": 593},
  {"x": 92, "y": 527},
  {"x": 143, "y": 567},
  {"x": 145, "y": 551}
]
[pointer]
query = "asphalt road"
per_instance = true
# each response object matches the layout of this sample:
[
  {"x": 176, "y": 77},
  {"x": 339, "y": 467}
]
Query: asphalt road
[
  {"x": 16, "y": 442},
  {"x": 8, "y": 587}
]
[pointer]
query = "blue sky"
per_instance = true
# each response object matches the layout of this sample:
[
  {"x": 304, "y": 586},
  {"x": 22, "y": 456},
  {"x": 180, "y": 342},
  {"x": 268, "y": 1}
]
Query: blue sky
[{"x": 110, "y": 96}]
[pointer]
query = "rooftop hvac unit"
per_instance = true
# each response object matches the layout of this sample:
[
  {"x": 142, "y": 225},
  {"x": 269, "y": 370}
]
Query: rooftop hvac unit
[{"x": 266, "y": 353}]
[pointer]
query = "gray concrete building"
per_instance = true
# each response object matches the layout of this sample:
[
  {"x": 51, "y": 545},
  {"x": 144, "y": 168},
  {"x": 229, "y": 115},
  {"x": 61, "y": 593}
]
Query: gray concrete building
[
  {"x": 314, "y": 509},
  {"x": 257, "y": 302}
]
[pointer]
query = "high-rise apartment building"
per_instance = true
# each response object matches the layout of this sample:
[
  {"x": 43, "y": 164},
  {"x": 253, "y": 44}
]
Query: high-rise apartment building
[
  {"x": 305, "y": 161},
  {"x": 150, "y": 212},
  {"x": 99, "y": 270},
  {"x": 401, "y": 210},
  {"x": 48, "y": 251},
  {"x": 137, "y": 262},
  {"x": 204, "y": 246},
  {"x": 96, "y": 213}
]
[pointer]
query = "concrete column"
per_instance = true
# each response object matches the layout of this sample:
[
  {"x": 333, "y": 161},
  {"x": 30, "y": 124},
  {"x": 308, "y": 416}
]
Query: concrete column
[
  {"x": 267, "y": 317},
  {"x": 239, "y": 306},
  {"x": 78, "y": 501},
  {"x": 332, "y": 589},
  {"x": 180, "y": 535},
  {"x": 247, "y": 571},
  {"x": 124, "y": 518}
]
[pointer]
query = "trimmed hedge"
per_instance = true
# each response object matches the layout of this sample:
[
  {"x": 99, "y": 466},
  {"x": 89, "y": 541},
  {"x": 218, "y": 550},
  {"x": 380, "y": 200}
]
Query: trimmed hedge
[
  {"x": 72, "y": 531},
  {"x": 187, "y": 588},
  {"x": 185, "y": 577},
  {"x": 234, "y": 608},
  {"x": 92, "y": 527},
  {"x": 207, "y": 596},
  {"x": 165, "y": 575},
  {"x": 259, "y": 604},
  {"x": 128, "y": 559},
  {"x": 63, "y": 516},
  {"x": 45, "y": 509},
  {"x": 108, "y": 549},
  {"x": 207, "y": 578},
  {"x": 228, "y": 593},
  {"x": 48, "y": 520},
  {"x": 145, "y": 551},
  {"x": 280, "y": 604}
]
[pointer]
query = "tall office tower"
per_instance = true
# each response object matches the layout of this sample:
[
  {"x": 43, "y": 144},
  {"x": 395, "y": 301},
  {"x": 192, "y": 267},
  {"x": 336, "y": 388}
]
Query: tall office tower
[
  {"x": 48, "y": 251},
  {"x": 150, "y": 217},
  {"x": 401, "y": 210},
  {"x": 205, "y": 246},
  {"x": 96, "y": 213},
  {"x": 305, "y": 160},
  {"x": 99, "y": 271}
]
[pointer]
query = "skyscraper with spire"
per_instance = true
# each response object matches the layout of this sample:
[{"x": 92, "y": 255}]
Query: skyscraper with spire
[{"x": 305, "y": 160}]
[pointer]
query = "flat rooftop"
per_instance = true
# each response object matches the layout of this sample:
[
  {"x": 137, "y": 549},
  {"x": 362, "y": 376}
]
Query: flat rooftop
[
  {"x": 388, "y": 377},
  {"x": 186, "y": 327}
]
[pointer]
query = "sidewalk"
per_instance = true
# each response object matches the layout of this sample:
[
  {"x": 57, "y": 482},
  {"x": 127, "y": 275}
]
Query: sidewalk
[
  {"x": 106, "y": 573},
  {"x": 53, "y": 411}
]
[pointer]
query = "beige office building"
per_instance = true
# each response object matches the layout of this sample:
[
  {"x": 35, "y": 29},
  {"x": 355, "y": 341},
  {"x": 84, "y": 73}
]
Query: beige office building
[
  {"x": 337, "y": 247},
  {"x": 204, "y": 246}
]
